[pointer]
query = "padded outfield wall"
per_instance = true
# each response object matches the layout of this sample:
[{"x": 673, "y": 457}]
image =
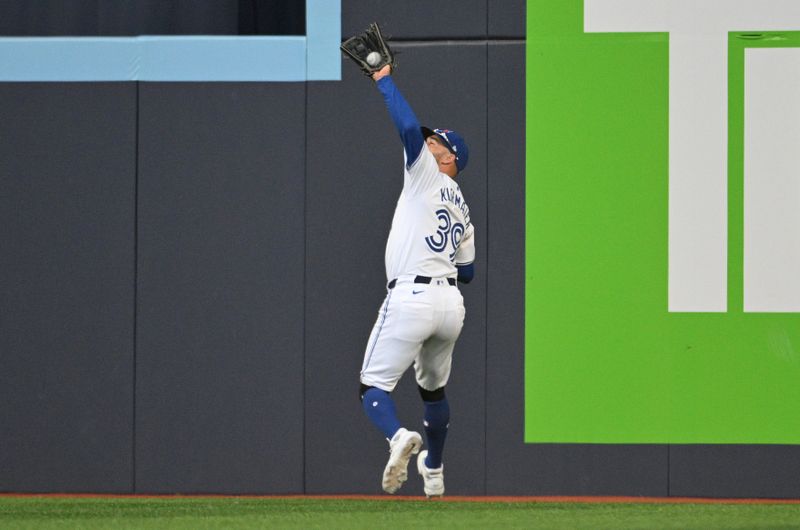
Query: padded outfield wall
[{"x": 190, "y": 271}]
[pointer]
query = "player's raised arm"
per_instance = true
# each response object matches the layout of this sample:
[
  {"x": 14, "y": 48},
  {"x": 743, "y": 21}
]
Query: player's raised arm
[
  {"x": 401, "y": 113},
  {"x": 370, "y": 51}
]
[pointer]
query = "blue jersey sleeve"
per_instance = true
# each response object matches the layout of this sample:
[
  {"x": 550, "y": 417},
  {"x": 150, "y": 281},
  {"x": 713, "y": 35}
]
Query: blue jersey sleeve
[{"x": 404, "y": 119}]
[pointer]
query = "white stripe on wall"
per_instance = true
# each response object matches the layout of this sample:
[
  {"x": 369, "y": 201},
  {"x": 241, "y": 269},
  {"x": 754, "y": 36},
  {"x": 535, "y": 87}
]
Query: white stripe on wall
[
  {"x": 698, "y": 261},
  {"x": 772, "y": 180}
]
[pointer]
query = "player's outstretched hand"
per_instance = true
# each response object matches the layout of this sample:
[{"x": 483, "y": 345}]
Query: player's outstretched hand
[
  {"x": 369, "y": 50},
  {"x": 383, "y": 72}
]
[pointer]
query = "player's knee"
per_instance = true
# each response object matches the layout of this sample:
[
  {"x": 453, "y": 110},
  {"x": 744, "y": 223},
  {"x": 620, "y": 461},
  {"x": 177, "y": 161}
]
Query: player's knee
[
  {"x": 431, "y": 395},
  {"x": 363, "y": 390}
]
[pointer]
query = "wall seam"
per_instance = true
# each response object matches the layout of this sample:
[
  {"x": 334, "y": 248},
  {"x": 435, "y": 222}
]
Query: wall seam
[
  {"x": 486, "y": 285},
  {"x": 305, "y": 279},
  {"x": 669, "y": 470},
  {"x": 135, "y": 278}
]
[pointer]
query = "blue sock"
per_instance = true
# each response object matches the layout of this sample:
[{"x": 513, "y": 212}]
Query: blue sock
[
  {"x": 379, "y": 406},
  {"x": 437, "y": 420}
]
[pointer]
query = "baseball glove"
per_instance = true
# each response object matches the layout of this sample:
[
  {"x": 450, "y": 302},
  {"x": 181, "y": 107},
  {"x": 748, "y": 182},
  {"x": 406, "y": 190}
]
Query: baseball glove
[{"x": 369, "y": 50}]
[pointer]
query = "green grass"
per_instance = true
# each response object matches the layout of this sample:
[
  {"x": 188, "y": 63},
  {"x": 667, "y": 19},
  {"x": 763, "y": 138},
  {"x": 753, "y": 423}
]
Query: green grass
[{"x": 235, "y": 513}]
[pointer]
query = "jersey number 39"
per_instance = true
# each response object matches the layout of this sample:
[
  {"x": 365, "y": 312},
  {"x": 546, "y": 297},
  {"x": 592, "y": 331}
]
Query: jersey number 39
[{"x": 447, "y": 233}]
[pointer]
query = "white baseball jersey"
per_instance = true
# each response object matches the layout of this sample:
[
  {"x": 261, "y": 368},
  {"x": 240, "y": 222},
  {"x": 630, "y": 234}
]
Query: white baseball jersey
[
  {"x": 419, "y": 323},
  {"x": 431, "y": 229}
]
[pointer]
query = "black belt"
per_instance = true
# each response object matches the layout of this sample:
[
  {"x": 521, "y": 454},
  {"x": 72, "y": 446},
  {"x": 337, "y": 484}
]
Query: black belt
[{"x": 421, "y": 279}]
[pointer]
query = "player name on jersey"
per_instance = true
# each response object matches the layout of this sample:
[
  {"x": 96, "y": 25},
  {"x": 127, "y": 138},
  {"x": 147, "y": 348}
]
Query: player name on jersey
[{"x": 449, "y": 195}]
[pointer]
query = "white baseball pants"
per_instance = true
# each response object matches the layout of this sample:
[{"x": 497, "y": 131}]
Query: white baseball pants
[{"x": 418, "y": 323}]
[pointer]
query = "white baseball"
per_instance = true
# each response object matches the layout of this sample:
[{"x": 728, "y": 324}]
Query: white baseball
[{"x": 373, "y": 58}]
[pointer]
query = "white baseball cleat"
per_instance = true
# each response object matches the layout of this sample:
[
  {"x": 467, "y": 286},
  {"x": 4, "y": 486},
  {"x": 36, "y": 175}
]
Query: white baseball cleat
[
  {"x": 434, "y": 478},
  {"x": 403, "y": 444}
]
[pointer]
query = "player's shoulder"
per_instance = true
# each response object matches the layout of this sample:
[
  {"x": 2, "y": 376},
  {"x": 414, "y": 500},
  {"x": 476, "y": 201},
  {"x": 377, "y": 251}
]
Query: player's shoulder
[
  {"x": 423, "y": 173},
  {"x": 424, "y": 162}
]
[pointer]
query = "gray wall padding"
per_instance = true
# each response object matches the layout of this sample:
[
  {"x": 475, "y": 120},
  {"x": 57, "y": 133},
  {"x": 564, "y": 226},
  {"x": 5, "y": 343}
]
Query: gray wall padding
[
  {"x": 440, "y": 20},
  {"x": 767, "y": 471},
  {"x": 417, "y": 19},
  {"x": 67, "y": 182},
  {"x": 94, "y": 18},
  {"x": 506, "y": 18},
  {"x": 220, "y": 288}
]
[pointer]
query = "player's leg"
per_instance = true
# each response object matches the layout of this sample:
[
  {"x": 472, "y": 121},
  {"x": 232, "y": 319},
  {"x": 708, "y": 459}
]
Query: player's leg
[
  {"x": 432, "y": 368},
  {"x": 403, "y": 443},
  {"x": 380, "y": 409},
  {"x": 394, "y": 343},
  {"x": 436, "y": 422}
]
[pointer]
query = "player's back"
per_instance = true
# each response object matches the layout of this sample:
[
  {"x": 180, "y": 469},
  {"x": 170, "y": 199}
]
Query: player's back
[{"x": 431, "y": 229}]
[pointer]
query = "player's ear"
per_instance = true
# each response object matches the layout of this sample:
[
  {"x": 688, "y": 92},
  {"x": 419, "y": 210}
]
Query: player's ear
[{"x": 447, "y": 164}]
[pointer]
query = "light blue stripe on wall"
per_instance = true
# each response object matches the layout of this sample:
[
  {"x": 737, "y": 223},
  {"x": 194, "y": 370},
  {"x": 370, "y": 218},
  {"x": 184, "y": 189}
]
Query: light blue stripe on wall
[
  {"x": 324, "y": 33},
  {"x": 222, "y": 58},
  {"x": 67, "y": 59},
  {"x": 315, "y": 56}
]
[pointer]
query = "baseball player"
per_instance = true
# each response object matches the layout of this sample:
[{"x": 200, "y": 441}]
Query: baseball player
[{"x": 430, "y": 248}]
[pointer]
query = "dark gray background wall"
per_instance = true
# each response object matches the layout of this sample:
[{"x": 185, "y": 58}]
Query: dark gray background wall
[
  {"x": 189, "y": 273},
  {"x": 41, "y": 18},
  {"x": 67, "y": 291}
]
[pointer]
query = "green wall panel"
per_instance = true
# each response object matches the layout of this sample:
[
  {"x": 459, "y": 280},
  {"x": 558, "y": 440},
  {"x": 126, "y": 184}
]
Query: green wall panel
[{"x": 605, "y": 362}]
